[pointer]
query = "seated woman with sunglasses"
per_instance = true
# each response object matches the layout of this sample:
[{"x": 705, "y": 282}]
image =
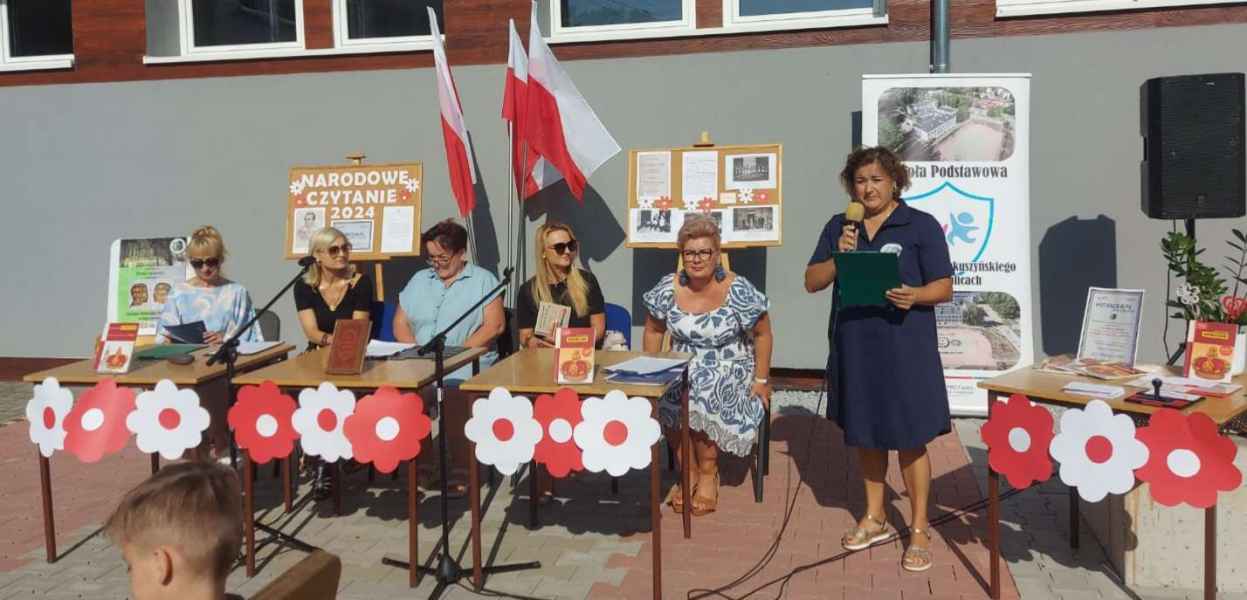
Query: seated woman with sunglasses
[
  {"x": 331, "y": 289},
  {"x": 221, "y": 304},
  {"x": 721, "y": 318},
  {"x": 559, "y": 281}
]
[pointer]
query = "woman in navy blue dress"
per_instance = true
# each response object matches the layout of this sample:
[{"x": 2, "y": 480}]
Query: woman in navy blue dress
[{"x": 888, "y": 382}]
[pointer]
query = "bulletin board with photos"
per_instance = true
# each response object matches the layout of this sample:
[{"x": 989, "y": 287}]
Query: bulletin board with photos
[
  {"x": 739, "y": 186},
  {"x": 377, "y": 207}
]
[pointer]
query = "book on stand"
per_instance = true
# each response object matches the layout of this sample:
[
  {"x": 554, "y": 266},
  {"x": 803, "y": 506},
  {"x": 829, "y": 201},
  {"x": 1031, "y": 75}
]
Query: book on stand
[
  {"x": 573, "y": 355},
  {"x": 1210, "y": 351},
  {"x": 350, "y": 342},
  {"x": 115, "y": 351}
]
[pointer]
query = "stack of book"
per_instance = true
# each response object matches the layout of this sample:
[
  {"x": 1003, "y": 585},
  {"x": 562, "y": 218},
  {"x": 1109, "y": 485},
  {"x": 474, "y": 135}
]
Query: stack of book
[{"x": 646, "y": 371}]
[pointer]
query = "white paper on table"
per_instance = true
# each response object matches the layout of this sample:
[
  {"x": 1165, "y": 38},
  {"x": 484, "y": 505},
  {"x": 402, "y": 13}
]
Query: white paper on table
[
  {"x": 255, "y": 347},
  {"x": 381, "y": 348},
  {"x": 397, "y": 224},
  {"x": 653, "y": 174},
  {"x": 700, "y": 178},
  {"x": 644, "y": 365},
  {"x": 1094, "y": 390},
  {"x": 644, "y": 229}
]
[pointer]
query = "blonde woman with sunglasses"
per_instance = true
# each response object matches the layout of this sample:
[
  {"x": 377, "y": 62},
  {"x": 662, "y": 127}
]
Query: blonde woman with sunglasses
[
  {"x": 208, "y": 296},
  {"x": 331, "y": 289},
  {"x": 559, "y": 281}
]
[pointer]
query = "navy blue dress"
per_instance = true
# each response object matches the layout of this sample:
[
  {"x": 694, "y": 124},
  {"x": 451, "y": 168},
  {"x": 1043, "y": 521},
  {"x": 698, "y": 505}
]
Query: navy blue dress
[{"x": 887, "y": 382}]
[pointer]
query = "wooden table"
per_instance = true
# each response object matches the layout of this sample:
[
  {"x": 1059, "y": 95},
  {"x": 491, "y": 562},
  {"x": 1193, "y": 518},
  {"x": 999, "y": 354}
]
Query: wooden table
[
  {"x": 1047, "y": 388},
  {"x": 308, "y": 371},
  {"x": 531, "y": 371},
  {"x": 143, "y": 374}
]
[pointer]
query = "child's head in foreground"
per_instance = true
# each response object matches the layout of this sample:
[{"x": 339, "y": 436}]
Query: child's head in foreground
[{"x": 180, "y": 531}]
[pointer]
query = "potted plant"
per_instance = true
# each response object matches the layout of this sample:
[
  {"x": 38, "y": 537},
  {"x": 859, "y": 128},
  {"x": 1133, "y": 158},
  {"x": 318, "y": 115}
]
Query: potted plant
[{"x": 1204, "y": 296}]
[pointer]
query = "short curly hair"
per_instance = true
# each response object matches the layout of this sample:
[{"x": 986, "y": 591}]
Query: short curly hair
[{"x": 885, "y": 158}]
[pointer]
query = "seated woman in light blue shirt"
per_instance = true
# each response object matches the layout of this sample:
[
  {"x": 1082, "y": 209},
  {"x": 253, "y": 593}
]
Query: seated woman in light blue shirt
[{"x": 431, "y": 301}]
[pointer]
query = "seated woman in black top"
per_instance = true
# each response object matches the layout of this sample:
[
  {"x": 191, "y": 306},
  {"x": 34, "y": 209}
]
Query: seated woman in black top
[
  {"x": 331, "y": 289},
  {"x": 559, "y": 281}
]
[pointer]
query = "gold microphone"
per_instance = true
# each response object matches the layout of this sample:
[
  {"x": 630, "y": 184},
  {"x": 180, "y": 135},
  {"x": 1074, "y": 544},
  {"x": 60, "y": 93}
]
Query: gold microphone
[{"x": 854, "y": 213}]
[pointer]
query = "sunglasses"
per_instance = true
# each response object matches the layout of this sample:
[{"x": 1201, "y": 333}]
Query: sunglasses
[
  {"x": 339, "y": 249},
  {"x": 209, "y": 262},
  {"x": 563, "y": 247}
]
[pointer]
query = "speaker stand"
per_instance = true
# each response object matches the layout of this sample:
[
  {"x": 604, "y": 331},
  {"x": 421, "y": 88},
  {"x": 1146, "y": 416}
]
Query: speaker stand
[{"x": 1177, "y": 354}]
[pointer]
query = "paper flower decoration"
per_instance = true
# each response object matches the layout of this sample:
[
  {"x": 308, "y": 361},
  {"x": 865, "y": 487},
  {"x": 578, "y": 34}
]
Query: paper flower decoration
[
  {"x": 691, "y": 203},
  {"x": 760, "y": 196},
  {"x": 1188, "y": 294},
  {"x": 1234, "y": 307},
  {"x": 296, "y": 187},
  {"x": 46, "y": 413},
  {"x": 412, "y": 185},
  {"x": 645, "y": 202},
  {"x": 745, "y": 196},
  {"x": 1098, "y": 451},
  {"x": 616, "y": 433},
  {"x": 319, "y": 419},
  {"x": 663, "y": 203},
  {"x": 261, "y": 422},
  {"x": 1018, "y": 435},
  {"x": 504, "y": 430},
  {"x": 705, "y": 204},
  {"x": 558, "y": 415},
  {"x": 1188, "y": 460},
  {"x": 168, "y": 420},
  {"x": 96, "y": 425},
  {"x": 387, "y": 428}
]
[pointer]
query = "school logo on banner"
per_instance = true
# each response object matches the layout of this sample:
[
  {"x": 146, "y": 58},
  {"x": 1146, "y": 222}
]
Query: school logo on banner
[{"x": 965, "y": 218}]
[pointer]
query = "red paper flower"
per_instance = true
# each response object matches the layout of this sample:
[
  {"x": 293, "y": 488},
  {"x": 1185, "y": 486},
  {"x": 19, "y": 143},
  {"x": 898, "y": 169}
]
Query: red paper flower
[
  {"x": 96, "y": 425},
  {"x": 760, "y": 196},
  {"x": 558, "y": 414},
  {"x": 386, "y": 428},
  {"x": 1234, "y": 307},
  {"x": 1188, "y": 461},
  {"x": 261, "y": 420},
  {"x": 705, "y": 204},
  {"x": 1018, "y": 435},
  {"x": 663, "y": 203},
  {"x": 404, "y": 195}
]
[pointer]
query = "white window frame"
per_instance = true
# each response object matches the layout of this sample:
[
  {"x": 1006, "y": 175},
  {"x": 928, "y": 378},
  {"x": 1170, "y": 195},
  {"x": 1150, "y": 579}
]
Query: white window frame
[
  {"x": 186, "y": 23},
  {"x": 1025, "y": 8},
  {"x": 26, "y": 63},
  {"x": 557, "y": 33},
  {"x": 733, "y": 21},
  {"x": 342, "y": 36}
]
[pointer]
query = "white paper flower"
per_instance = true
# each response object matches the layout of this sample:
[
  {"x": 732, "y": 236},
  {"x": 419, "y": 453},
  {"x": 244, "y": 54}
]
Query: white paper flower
[
  {"x": 616, "y": 433},
  {"x": 504, "y": 430},
  {"x": 296, "y": 187},
  {"x": 690, "y": 203},
  {"x": 167, "y": 420},
  {"x": 745, "y": 196},
  {"x": 319, "y": 419},
  {"x": 412, "y": 185},
  {"x": 645, "y": 202},
  {"x": 46, "y": 412},
  {"x": 1188, "y": 294},
  {"x": 1098, "y": 451}
]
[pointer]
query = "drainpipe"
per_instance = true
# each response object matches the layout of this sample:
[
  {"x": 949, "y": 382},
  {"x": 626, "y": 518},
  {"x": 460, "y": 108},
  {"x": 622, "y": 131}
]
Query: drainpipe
[{"x": 939, "y": 36}]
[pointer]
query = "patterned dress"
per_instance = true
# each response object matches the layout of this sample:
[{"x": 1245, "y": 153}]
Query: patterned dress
[
  {"x": 721, "y": 340},
  {"x": 224, "y": 308}
]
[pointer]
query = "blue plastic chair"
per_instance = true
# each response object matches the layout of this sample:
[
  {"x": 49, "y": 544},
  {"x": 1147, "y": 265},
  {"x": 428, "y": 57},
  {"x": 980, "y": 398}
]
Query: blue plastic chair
[
  {"x": 383, "y": 321},
  {"x": 619, "y": 319}
]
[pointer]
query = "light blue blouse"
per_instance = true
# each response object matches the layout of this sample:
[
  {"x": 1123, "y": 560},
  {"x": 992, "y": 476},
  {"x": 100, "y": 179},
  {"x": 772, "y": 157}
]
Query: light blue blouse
[
  {"x": 431, "y": 305},
  {"x": 223, "y": 308}
]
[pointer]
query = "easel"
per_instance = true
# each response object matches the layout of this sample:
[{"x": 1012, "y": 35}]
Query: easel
[{"x": 378, "y": 273}]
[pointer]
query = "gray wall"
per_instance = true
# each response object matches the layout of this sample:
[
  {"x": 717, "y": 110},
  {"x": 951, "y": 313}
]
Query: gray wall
[{"x": 81, "y": 165}]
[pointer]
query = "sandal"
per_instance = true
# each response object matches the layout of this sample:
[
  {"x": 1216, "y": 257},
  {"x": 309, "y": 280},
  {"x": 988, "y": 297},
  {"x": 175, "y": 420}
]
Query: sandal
[
  {"x": 916, "y": 559},
  {"x": 675, "y": 499},
  {"x": 860, "y": 538},
  {"x": 707, "y": 505}
]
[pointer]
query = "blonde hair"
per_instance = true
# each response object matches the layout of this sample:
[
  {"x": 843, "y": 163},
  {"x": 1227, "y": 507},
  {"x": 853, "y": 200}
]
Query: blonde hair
[
  {"x": 192, "y": 506},
  {"x": 577, "y": 287},
  {"x": 207, "y": 238},
  {"x": 319, "y": 241},
  {"x": 698, "y": 226}
]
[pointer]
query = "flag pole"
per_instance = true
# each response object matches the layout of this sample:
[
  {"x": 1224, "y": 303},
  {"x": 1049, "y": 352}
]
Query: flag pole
[{"x": 510, "y": 299}]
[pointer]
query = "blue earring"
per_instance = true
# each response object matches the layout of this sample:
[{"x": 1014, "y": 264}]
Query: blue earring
[
  {"x": 683, "y": 277},
  {"x": 719, "y": 273}
]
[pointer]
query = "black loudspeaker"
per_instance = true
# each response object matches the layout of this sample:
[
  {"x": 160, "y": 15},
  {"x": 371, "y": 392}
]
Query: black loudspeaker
[{"x": 1193, "y": 136}]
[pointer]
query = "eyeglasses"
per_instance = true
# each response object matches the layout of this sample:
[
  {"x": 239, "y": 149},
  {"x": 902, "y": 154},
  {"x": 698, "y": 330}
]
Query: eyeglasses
[
  {"x": 563, "y": 247},
  {"x": 209, "y": 262},
  {"x": 440, "y": 259},
  {"x": 338, "y": 249},
  {"x": 697, "y": 255}
]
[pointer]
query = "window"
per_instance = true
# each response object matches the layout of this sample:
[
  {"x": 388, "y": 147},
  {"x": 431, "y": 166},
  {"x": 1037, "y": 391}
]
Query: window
[
  {"x": 242, "y": 25},
  {"x": 765, "y": 15},
  {"x": 591, "y": 20},
  {"x": 385, "y": 22},
  {"x": 35, "y": 34},
  {"x": 1021, "y": 8}
]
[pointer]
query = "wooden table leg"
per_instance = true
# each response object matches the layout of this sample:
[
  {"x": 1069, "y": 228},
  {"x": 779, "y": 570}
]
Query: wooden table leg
[
  {"x": 655, "y": 517},
  {"x": 532, "y": 494},
  {"x": 686, "y": 451},
  {"x": 1074, "y": 518},
  {"x": 49, "y": 524},
  {"x": 286, "y": 495},
  {"x": 1210, "y": 553},
  {"x": 474, "y": 503},
  {"x": 413, "y": 526},
  {"x": 248, "y": 510},
  {"x": 155, "y": 462}
]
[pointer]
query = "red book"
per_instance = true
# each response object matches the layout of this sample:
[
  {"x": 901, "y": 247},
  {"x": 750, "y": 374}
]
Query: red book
[
  {"x": 1210, "y": 351},
  {"x": 573, "y": 355},
  {"x": 350, "y": 341},
  {"x": 116, "y": 349}
]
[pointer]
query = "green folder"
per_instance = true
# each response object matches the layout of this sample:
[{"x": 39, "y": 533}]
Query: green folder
[
  {"x": 864, "y": 277},
  {"x": 162, "y": 351}
]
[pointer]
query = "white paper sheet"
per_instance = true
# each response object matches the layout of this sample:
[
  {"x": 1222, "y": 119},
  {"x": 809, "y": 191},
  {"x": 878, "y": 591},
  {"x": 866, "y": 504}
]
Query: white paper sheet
[
  {"x": 381, "y": 349},
  {"x": 644, "y": 365},
  {"x": 255, "y": 347},
  {"x": 653, "y": 175},
  {"x": 700, "y": 178},
  {"x": 397, "y": 224},
  {"x": 653, "y": 225}
]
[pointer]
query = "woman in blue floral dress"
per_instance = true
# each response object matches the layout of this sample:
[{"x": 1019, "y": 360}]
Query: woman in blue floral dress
[{"x": 721, "y": 319}]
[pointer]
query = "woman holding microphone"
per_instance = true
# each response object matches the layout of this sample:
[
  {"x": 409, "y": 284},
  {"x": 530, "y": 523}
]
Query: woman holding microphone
[{"x": 889, "y": 384}]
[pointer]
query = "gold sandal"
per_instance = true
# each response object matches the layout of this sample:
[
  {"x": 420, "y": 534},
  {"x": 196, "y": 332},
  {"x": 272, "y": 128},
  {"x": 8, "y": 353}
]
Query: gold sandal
[
  {"x": 708, "y": 505},
  {"x": 675, "y": 499},
  {"x": 915, "y": 559},
  {"x": 860, "y": 538}
]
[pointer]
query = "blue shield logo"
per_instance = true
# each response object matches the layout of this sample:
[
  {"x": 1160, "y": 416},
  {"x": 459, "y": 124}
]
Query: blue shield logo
[{"x": 965, "y": 218}]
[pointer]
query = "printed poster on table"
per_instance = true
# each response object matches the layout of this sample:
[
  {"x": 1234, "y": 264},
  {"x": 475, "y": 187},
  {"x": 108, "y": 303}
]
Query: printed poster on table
[
  {"x": 965, "y": 140},
  {"x": 377, "y": 208},
  {"x": 141, "y": 275}
]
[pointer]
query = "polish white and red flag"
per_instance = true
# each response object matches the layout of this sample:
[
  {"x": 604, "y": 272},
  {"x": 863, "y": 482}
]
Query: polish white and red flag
[
  {"x": 454, "y": 128},
  {"x": 559, "y": 123},
  {"x": 524, "y": 159}
]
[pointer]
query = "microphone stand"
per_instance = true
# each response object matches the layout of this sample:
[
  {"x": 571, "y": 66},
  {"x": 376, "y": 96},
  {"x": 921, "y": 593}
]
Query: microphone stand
[
  {"x": 228, "y": 353},
  {"x": 447, "y": 571}
]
